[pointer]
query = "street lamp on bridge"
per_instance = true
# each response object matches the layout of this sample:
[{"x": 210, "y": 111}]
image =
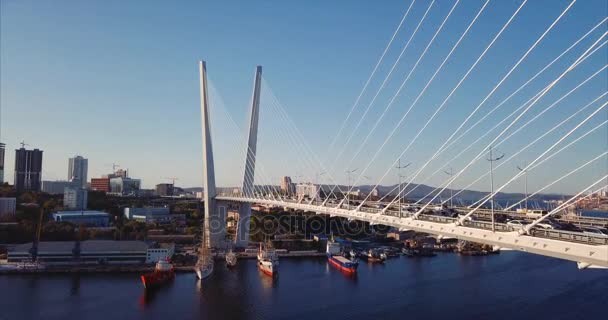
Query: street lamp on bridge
[
  {"x": 492, "y": 160},
  {"x": 348, "y": 173},
  {"x": 399, "y": 167}
]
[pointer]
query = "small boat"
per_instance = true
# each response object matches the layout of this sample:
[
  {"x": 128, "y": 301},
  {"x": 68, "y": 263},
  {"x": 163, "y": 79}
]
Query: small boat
[
  {"x": 418, "y": 252},
  {"x": 414, "y": 248},
  {"x": 268, "y": 260},
  {"x": 231, "y": 259},
  {"x": 391, "y": 253},
  {"x": 29, "y": 265},
  {"x": 163, "y": 273},
  {"x": 374, "y": 256},
  {"x": 335, "y": 258}
]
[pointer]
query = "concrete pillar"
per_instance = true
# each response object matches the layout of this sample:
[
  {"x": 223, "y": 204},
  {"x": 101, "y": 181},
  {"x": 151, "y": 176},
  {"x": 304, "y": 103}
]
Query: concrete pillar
[
  {"x": 242, "y": 234},
  {"x": 215, "y": 229}
]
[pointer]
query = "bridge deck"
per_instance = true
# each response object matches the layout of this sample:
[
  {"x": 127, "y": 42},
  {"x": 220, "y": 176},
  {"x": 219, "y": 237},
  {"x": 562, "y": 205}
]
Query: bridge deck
[{"x": 587, "y": 250}]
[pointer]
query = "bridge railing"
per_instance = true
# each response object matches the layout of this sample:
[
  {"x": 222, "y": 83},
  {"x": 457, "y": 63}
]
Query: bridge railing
[{"x": 570, "y": 236}]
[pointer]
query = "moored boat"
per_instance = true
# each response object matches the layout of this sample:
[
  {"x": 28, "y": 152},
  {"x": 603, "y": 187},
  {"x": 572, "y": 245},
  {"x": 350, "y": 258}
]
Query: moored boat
[
  {"x": 231, "y": 259},
  {"x": 414, "y": 248},
  {"x": 268, "y": 260},
  {"x": 204, "y": 265},
  {"x": 163, "y": 273},
  {"x": 374, "y": 256},
  {"x": 335, "y": 258}
]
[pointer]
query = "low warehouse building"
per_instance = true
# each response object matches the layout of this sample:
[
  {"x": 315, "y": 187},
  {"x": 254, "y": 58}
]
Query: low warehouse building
[{"x": 93, "y": 252}]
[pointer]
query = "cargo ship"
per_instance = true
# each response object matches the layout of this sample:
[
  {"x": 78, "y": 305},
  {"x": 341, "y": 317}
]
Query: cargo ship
[
  {"x": 335, "y": 258},
  {"x": 163, "y": 273},
  {"x": 268, "y": 260}
]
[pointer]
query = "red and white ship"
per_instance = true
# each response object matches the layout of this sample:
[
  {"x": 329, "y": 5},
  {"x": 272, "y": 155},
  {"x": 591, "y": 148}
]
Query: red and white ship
[
  {"x": 268, "y": 260},
  {"x": 163, "y": 273}
]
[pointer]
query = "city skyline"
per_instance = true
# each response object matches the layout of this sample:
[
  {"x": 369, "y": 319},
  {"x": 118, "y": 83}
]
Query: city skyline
[{"x": 126, "y": 120}]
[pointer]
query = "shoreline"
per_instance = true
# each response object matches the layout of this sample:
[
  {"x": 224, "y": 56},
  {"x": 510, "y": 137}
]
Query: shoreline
[{"x": 9, "y": 269}]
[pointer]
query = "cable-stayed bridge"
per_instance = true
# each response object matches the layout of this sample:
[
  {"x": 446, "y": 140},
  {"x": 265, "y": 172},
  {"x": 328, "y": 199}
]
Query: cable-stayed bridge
[{"x": 553, "y": 82}]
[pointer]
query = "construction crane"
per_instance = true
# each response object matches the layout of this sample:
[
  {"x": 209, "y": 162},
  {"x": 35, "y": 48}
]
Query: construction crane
[
  {"x": 23, "y": 144},
  {"x": 172, "y": 179}
]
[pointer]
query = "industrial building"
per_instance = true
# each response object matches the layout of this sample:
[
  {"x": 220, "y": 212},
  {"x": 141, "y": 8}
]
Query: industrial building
[
  {"x": 154, "y": 215},
  {"x": 88, "y": 218},
  {"x": 93, "y": 252}
]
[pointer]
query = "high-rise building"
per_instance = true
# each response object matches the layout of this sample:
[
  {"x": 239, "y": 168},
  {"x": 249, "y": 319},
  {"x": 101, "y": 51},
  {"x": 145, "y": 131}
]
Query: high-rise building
[
  {"x": 75, "y": 198},
  {"x": 28, "y": 169},
  {"x": 2, "y": 163},
  {"x": 77, "y": 170},
  {"x": 286, "y": 185}
]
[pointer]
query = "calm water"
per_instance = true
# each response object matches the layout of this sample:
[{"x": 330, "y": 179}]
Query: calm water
[{"x": 507, "y": 286}]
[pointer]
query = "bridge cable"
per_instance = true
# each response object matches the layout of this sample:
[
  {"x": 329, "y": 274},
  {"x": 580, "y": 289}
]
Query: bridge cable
[
  {"x": 331, "y": 145},
  {"x": 537, "y": 159},
  {"x": 350, "y": 136},
  {"x": 370, "y": 132},
  {"x": 487, "y": 132},
  {"x": 504, "y": 78},
  {"x": 544, "y": 91},
  {"x": 556, "y": 181},
  {"x": 298, "y": 135},
  {"x": 573, "y": 200},
  {"x": 445, "y": 100},
  {"x": 529, "y": 121},
  {"x": 439, "y": 68}
]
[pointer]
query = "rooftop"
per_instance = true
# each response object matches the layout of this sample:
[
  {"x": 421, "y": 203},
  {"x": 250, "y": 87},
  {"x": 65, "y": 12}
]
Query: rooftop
[
  {"x": 81, "y": 213},
  {"x": 85, "y": 246}
]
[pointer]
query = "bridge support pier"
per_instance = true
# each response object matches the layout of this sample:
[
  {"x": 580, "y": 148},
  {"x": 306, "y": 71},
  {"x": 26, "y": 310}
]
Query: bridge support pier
[
  {"x": 242, "y": 231},
  {"x": 215, "y": 226}
]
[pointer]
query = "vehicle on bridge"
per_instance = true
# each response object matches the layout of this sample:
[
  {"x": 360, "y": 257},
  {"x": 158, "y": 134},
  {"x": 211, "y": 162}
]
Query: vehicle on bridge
[{"x": 595, "y": 231}]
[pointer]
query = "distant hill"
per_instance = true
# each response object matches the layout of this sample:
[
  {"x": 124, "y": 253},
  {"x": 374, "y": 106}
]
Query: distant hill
[{"x": 422, "y": 190}]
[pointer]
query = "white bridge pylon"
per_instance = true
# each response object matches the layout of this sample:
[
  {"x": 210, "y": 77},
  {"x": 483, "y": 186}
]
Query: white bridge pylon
[
  {"x": 215, "y": 214},
  {"x": 588, "y": 251}
]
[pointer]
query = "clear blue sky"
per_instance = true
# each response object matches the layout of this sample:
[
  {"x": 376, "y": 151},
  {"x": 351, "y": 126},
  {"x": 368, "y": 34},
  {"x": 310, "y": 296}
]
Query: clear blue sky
[{"x": 117, "y": 81}]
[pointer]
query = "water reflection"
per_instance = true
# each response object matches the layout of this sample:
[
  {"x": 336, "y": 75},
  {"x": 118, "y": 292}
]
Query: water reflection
[
  {"x": 149, "y": 296},
  {"x": 313, "y": 289},
  {"x": 269, "y": 282},
  {"x": 75, "y": 284}
]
